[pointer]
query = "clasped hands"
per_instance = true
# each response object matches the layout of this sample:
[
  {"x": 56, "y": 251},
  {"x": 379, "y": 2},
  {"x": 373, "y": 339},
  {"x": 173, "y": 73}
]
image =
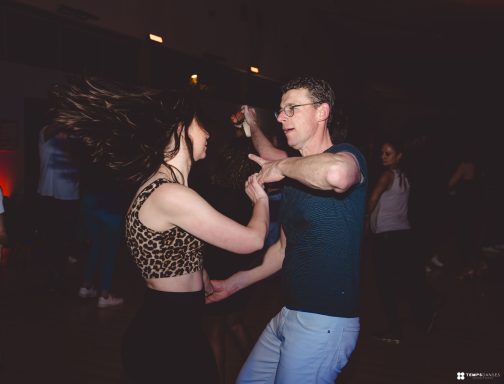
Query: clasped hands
[{"x": 270, "y": 171}]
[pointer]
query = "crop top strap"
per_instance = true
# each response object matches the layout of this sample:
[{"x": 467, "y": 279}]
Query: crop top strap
[{"x": 146, "y": 192}]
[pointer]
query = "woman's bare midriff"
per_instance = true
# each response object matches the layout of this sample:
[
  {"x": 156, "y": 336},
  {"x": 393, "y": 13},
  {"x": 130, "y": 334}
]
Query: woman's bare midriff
[{"x": 191, "y": 282}]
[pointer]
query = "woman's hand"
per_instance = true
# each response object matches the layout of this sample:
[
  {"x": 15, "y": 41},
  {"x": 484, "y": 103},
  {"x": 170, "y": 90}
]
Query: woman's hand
[{"x": 254, "y": 190}]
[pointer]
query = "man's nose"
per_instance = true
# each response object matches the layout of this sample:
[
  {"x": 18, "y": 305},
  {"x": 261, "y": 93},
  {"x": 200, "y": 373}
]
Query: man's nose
[{"x": 281, "y": 116}]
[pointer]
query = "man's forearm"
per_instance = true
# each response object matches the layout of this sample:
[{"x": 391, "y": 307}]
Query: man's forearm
[
  {"x": 325, "y": 171},
  {"x": 271, "y": 264},
  {"x": 263, "y": 145}
]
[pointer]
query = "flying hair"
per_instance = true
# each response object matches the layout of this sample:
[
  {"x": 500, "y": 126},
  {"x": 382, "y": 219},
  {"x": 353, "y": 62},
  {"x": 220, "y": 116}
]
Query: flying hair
[{"x": 129, "y": 130}]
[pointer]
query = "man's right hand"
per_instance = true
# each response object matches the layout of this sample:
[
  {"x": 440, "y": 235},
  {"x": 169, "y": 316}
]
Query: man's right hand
[
  {"x": 220, "y": 292},
  {"x": 262, "y": 144}
]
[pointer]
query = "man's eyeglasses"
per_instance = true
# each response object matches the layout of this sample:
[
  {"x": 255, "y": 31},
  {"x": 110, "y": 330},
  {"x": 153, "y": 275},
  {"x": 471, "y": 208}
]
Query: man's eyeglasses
[{"x": 289, "y": 110}]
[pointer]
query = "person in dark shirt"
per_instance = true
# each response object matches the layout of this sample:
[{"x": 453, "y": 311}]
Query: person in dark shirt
[
  {"x": 322, "y": 218},
  {"x": 465, "y": 192}
]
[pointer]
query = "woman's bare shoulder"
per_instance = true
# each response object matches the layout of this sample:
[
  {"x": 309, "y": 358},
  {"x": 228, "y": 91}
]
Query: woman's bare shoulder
[{"x": 174, "y": 197}]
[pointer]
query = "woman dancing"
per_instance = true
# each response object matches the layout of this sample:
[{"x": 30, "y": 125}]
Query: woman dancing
[
  {"x": 398, "y": 265},
  {"x": 152, "y": 138}
]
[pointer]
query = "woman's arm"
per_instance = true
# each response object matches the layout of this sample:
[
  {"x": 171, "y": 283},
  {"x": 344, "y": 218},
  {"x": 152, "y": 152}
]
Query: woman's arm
[
  {"x": 455, "y": 178},
  {"x": 464, "y": 171},
  {"x": 383, "y": 183},
  {"x": 175, "y": 204}
]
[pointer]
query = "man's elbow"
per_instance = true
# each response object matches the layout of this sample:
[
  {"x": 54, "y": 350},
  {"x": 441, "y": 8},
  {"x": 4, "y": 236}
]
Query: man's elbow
[{"x": 341, "y": 178}]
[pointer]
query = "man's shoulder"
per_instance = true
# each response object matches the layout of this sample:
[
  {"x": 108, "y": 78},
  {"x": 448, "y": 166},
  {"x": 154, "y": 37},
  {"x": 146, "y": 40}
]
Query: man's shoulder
[
  {"x": 350, "y": 148},
  {"x": 356, "y": 153},
  {"x": 344, "y": 147}
]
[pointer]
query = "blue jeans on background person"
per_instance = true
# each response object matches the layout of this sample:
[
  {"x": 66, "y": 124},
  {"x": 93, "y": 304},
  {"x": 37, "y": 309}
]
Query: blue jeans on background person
[
  {"x": 301, "y": 347},
  {"x": 104, "y": 230}
]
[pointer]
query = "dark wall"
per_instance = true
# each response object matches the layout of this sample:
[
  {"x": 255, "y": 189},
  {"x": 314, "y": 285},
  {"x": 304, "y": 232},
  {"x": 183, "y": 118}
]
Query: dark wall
[{"x": 38, "y": 38}]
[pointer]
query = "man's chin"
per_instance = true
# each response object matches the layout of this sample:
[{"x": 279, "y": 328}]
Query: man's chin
[{"x": 293, "y": 145}]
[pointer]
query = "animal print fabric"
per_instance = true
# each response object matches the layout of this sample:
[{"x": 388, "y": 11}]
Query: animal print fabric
[{"x": 174, "y": 252}]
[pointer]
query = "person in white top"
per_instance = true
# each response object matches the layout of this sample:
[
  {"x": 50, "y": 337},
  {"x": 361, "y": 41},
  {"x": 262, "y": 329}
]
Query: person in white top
[
  {"x": 398, "y": 267},
  {"x": 58, "y": 191}
]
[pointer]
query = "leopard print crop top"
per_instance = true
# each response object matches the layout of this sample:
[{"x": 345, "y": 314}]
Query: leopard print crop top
[{"x": 170, "y": 253}]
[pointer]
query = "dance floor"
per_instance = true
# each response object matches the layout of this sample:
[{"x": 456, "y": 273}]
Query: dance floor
[{"x": 56, "y": 337}]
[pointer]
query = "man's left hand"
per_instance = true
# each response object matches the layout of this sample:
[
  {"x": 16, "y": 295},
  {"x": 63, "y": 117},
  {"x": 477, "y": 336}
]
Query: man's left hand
[{"x": 269, "y": 170}]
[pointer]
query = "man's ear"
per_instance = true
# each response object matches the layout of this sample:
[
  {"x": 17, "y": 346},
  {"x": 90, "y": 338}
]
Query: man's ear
[{"x": 324, "y": 111}]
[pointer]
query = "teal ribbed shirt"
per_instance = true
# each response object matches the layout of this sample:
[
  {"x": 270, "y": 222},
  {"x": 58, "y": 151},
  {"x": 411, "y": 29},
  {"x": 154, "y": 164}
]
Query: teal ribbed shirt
[{"x": 324, "y": 232}]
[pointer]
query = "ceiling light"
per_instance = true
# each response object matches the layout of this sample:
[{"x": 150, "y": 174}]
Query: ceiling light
[
  {"x": 254, "y": 69},
  {"x": 156, "y": 38}
]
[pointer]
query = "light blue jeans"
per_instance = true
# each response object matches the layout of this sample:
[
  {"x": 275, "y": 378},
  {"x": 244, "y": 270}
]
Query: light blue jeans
[{"x": 301, "y": 347}]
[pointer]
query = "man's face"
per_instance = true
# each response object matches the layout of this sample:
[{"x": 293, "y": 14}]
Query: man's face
[{"x": 300, "y": 127}]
